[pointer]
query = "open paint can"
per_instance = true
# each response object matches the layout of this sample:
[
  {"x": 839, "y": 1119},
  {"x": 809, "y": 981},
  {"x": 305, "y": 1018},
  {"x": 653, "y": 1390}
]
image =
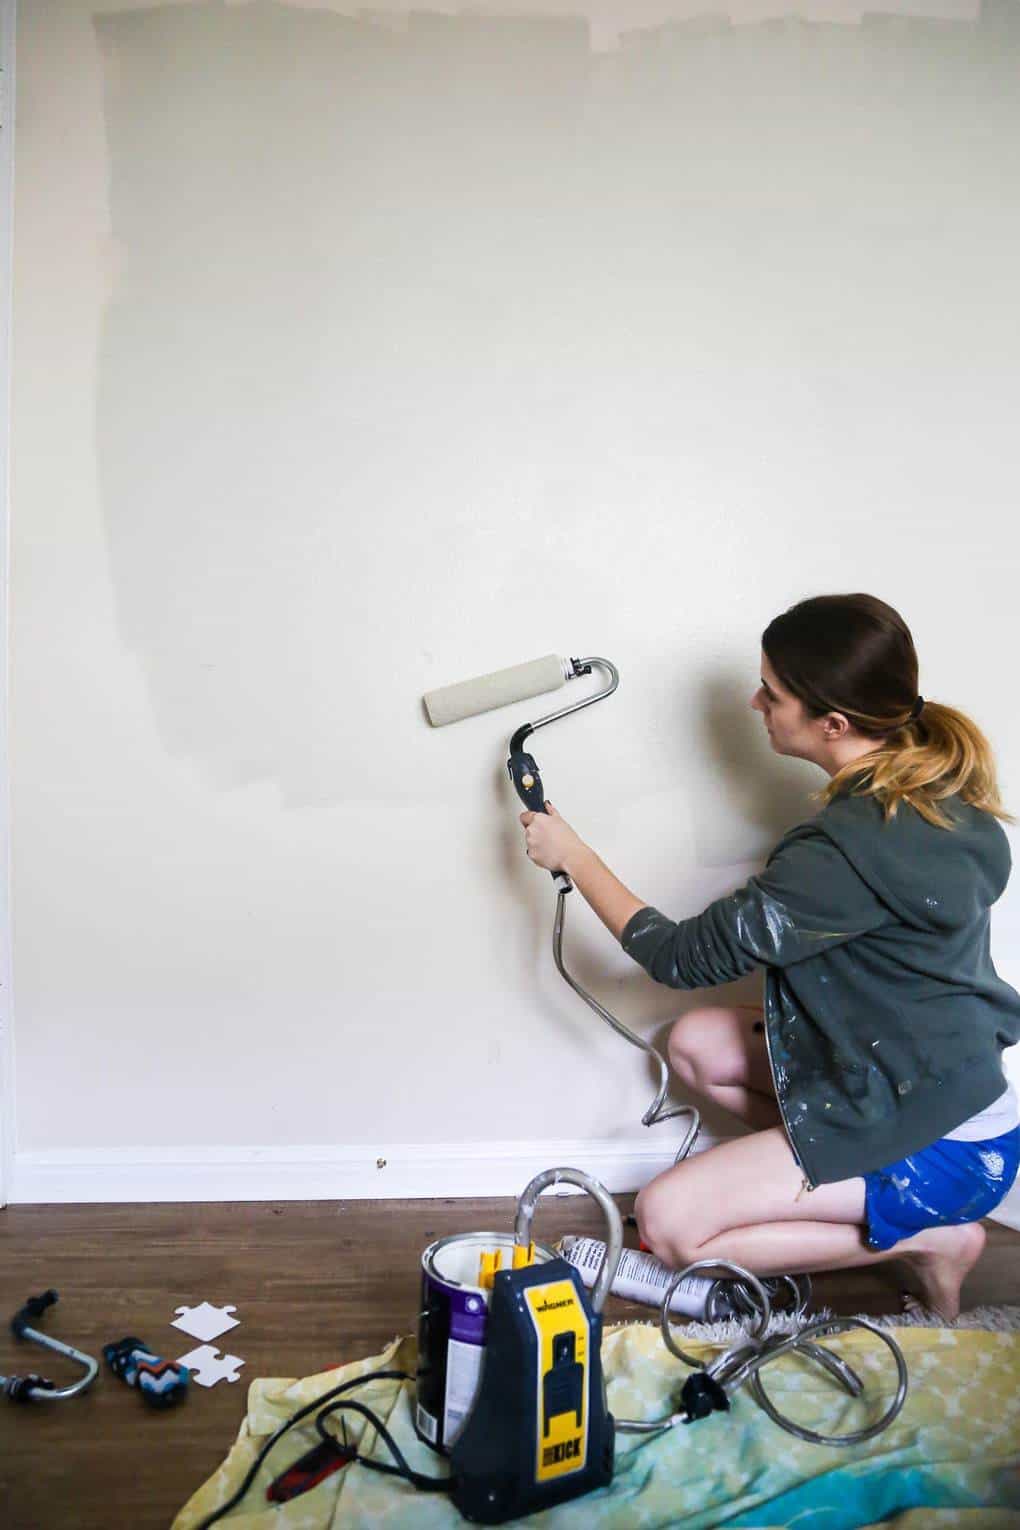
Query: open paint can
[{"x": 451, "y": 1330}]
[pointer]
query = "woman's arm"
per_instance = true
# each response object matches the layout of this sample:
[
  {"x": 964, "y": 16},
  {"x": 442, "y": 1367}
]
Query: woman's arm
[
  {"x": 807, "y": 899},
  {"x": 615, "y": 904},
  {"x": 554, "y": 845}
]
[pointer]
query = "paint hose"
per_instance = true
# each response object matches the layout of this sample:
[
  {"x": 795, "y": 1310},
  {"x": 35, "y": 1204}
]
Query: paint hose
[
  {"x": 613, "y": 1247},
  {"x": 710, "y": 1387},
  {"x": 656, "y": 1112},
  {"x": 738, "y": 1294}
]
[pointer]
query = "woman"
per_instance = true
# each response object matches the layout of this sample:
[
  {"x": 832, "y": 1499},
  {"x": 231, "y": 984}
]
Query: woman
[{"x": 872, "y": 1076}]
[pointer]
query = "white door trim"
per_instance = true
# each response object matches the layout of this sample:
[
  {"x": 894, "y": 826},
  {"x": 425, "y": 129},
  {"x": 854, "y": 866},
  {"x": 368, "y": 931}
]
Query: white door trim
[{"x": 7, "y": 29}]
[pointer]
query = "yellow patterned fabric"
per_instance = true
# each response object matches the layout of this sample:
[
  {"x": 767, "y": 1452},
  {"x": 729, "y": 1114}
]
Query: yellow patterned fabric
[{"x": 951, "y": 1457}]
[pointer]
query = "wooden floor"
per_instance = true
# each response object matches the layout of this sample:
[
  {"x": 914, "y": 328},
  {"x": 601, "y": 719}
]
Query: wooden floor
[{"x": 314, "y": 1283}]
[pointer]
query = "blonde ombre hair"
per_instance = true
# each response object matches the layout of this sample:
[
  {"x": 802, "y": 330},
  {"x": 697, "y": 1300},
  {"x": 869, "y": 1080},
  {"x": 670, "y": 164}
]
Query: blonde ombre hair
[{"x": 854, "y": 654}]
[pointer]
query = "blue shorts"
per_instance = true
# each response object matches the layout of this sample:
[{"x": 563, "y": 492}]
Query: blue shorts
[{"x": 947, "y": 1183}]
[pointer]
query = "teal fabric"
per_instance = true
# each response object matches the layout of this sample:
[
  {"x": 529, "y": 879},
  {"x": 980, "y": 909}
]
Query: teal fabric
[
  {"x": 884, "y": 1014},
  {"x": 856, "y": 1496}
]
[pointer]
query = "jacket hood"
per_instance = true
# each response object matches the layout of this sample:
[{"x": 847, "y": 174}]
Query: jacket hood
[{"x": 938, "y": 879}]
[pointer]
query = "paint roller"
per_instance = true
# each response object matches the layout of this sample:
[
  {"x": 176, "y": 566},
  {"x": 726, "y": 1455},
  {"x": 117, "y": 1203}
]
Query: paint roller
[
  {"x": 518, "y": 683},
  {"x": 452, "y": 703}
]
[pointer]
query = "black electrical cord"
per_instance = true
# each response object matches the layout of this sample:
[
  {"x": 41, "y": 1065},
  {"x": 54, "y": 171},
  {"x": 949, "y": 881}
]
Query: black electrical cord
[
  {"x": 402, "y": 1469},
  {"x": 436, "y": 1483}
]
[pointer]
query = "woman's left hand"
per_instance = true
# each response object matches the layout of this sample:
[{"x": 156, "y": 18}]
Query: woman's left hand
[{"x": 550, "y": 839}]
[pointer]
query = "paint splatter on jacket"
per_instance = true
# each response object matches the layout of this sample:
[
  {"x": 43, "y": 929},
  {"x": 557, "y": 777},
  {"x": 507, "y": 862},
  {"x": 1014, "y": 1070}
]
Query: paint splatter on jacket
[{"x": 884, "y": 1015}]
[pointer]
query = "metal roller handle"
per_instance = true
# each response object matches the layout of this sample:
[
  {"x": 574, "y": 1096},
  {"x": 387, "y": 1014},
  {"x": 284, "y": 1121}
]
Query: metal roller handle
[
  {"x": 38, "y": 1393},
  {"x": 526, "y": 778},
  {"x": 598, "y": 1192},
  {"x": 580, "y": 667},
  {"x": 37, "y": 1388}
]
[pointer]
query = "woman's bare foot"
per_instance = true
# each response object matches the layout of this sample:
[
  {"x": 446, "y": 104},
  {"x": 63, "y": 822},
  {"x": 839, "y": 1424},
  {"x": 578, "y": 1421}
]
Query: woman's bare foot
[{"x": 936, "y": 1263}]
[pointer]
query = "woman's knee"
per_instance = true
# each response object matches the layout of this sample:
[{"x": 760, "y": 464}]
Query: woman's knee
[
  {"x": 662, "y": 1225},
  {"x": 704, "y": 1046}
]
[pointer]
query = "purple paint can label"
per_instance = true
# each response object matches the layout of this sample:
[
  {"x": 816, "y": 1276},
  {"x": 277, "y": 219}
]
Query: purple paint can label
[{"x": 451, "y": 1331}]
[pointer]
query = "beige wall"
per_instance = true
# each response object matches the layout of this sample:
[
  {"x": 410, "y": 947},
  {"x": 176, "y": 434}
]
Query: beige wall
[{"x": 354, "y": 359}]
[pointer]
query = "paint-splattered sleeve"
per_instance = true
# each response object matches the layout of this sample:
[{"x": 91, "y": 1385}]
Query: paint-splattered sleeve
[{"x": 808, "y": 898}]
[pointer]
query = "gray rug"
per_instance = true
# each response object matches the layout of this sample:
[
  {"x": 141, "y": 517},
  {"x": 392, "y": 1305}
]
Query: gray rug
[{"x": 999, "y": 1319}]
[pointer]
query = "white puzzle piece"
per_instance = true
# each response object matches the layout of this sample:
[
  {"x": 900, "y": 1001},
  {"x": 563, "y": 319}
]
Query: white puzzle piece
[
  {"x": 208, "y": 1366},
  {"x": 204, "y": 1322}
]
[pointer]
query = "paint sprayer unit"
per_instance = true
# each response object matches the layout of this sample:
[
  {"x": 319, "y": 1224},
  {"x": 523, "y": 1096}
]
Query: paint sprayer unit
[
  {"x": 537, "y": 1428},
  {"x": 532, "y": 1427},
  {"x": 509, "y": 1384}
]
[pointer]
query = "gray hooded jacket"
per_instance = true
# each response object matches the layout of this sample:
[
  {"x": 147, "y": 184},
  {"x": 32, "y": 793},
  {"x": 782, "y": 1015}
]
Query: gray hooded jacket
[{"x": 884, "y": 1016}]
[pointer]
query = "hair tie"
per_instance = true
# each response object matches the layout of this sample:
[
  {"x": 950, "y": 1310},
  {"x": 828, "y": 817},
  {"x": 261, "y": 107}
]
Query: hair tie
[{"x": 916, "y": 709}]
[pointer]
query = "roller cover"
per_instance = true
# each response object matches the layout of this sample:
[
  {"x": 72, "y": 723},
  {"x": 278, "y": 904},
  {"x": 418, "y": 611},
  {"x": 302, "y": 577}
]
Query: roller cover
[{"x": 499, "y": 689}]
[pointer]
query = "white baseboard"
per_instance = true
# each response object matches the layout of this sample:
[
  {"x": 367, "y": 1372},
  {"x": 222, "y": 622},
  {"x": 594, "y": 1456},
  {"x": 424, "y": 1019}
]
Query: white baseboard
[
  {"x": 403, "y": 1170},
  {"x": 7, "y": 71}
]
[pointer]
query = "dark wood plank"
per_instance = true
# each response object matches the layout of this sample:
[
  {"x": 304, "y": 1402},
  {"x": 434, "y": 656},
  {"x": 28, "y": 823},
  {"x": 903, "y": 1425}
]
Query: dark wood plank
[{"x": 315, "y": 1284}]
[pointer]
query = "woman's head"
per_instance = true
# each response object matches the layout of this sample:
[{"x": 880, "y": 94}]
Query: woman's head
[{"x": 839, "y": 683}]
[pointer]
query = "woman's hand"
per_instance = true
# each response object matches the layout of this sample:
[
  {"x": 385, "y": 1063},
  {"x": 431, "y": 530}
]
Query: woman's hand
[
  {"x": 553, "y": 845},
  {"x": 551, "y": 842}
]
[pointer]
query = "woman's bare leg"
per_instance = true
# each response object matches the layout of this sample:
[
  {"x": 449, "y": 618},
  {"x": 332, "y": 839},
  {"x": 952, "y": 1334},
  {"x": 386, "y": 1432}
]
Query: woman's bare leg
[
  {"x": 744, "y": 1201},
  {"x": 719, "y": 1052}
]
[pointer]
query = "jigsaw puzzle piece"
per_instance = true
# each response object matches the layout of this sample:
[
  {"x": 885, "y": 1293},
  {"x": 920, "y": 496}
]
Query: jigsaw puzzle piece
[
  {"x": 207, "y": 1366},
  {"x": 205, "y": 1321}
]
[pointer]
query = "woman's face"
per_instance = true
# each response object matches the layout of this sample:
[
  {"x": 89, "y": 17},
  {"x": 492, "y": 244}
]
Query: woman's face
[
  {"x": 828, "y": 741},
  {"x": 784, "y": 715}
]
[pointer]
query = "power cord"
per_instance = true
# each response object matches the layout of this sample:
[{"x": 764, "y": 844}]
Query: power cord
[{"x": 402, "y": 1469}]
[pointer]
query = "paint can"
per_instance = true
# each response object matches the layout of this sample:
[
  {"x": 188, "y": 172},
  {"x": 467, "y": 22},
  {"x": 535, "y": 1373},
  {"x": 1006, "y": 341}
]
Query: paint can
[{"x": 451, "y": 1330}]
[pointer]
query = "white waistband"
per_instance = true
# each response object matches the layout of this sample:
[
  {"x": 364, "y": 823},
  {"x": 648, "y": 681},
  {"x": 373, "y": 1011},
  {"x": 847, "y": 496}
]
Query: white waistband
[{"x": 998, "y": 1117}]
